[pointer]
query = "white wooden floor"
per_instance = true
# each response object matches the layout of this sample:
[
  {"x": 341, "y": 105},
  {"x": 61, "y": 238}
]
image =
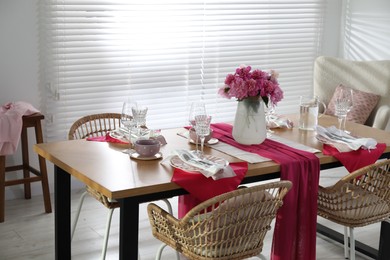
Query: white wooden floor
[{"x": 28, "y": 232}]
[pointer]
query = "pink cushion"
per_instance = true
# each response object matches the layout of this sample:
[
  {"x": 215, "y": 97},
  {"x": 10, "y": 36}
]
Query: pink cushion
[{"x": 363, "y": 104}]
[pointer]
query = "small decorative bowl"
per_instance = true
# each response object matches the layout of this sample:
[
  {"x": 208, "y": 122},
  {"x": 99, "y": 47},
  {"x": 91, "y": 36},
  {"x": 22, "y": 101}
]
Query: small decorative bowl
[{"x": 147, "y": 147}]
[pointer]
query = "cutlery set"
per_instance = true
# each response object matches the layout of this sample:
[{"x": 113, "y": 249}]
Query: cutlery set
[{"x": 343, "y": 141}]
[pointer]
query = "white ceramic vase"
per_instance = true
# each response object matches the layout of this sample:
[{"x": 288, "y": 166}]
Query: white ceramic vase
[{"x": 249, "y": 123}]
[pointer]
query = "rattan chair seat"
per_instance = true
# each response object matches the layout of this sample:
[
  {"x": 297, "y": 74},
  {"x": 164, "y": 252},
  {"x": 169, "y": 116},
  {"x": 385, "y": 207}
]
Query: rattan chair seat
[
  {"x": 358, "y": 199},
  {"x": 230, "y": 226}
]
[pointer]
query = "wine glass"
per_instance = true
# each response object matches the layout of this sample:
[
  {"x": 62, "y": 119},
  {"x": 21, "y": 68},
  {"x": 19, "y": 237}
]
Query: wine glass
[
  {"x": 127, "y": 118},
  {"x": 202, "y": 128},
  {"x": 343, "y": 104},
  {"x": 197, "y": 108},
  {"x": 269, "y": 113}
]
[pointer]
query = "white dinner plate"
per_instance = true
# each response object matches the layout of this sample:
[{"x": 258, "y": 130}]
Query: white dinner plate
[
  {"x": 178, "y": 163},
  {"x": 119, "y": 136},
  {"x": 210, "y": 142}
]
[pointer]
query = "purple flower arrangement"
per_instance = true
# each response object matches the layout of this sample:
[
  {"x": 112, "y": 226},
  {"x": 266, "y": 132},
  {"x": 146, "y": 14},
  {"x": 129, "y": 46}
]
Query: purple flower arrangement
[{"x": 247, "y": 84}]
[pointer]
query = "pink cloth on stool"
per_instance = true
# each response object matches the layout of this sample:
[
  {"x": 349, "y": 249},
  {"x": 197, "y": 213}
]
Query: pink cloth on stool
[{"x": 11, "y": 123}]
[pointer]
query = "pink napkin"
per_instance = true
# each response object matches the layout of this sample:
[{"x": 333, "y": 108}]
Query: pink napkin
[
  {"x": 11, "y": 123},
  {"x": 295, "y": 227},
  {"x": 354, "y": 160},
  {"x": 106, "y": 138},
  {"x": 201, "y": 188}
]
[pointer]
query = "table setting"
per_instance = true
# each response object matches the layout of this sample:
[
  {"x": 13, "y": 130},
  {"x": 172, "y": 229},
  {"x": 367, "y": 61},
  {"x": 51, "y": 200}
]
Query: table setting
[
  {"x": 298, "y": 164},
  {"x": 204, "y": 176},
  {"x": 343, "y": 141},
  {"x": 354, "y": 152},
  {"x": 142, "y": 143},
  {"x": 133, "y": 182}
]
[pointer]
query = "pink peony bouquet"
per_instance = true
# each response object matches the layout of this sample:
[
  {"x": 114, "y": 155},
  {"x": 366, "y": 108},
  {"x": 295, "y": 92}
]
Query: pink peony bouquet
[{"x": 257, "y": 83}]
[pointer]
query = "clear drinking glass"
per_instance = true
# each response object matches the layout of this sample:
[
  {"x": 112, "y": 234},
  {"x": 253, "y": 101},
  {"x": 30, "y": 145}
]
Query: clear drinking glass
[
  {"x": 343, "y": 104},
  {"x": 202, "y": 128},
  {"x": 139, "y": 113},
  {"x": 127, "y": 117},
  {"x": 197, "y": 108},
  {"x": 269, "y": 113}
]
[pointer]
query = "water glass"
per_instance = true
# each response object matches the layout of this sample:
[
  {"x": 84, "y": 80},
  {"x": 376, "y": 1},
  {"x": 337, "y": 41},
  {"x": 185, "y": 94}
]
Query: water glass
[
  {"x": 127, "y": 117},
  {"x": 202, "y": 128},
  {"x": 139, "y": 113},
  {"x": 197, "y": 108},
  {"x": 309, "y": 112}
]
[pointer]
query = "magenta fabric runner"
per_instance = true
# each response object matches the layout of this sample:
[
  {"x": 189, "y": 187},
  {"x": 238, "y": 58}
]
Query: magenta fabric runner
[{"x": 295, "y": 227}]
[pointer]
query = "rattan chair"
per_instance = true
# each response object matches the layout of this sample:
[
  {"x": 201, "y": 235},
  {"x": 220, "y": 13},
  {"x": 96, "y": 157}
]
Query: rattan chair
[
  {"x": 93, "y": 126},
  {"x": 358, "y": 199},
  {"x": 233, "y": 227}
]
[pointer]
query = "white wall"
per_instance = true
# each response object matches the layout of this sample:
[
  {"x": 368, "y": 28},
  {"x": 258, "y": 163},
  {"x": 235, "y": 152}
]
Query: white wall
[
  {"x": 19, "y": 69},
  {"x": 19, "y": 61},
  {"x": 19, "y": 74}
]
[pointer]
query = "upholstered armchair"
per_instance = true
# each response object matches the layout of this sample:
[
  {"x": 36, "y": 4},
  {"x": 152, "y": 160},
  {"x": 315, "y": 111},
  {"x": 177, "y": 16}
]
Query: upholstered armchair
[{"x": 368, "y": 76}]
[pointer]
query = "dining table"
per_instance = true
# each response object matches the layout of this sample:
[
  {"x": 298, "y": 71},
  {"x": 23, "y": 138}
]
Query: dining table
[{"x": 108, "y": 169}]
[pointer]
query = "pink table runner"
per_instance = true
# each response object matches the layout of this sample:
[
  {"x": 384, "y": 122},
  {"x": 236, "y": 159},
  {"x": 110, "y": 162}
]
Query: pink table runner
[
  {"x": 295, "y": 227},
  {"x": 201, "y": 188}
]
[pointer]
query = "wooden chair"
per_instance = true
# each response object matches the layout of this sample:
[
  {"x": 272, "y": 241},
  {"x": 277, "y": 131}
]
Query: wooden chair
[
  {"x": 31, "y": 121},
  {"x": 356, "y": 200},
  {"x": 93, "y": 126},
  {"x": 233, "y": 227}
]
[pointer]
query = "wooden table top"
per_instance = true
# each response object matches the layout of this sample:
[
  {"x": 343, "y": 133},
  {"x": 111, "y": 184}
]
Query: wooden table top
[{"x": 107, "y": 169}]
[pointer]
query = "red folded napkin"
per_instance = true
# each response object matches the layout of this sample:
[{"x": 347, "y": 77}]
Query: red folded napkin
[
  {"x": 106, "y": 138},
  {"x": 201, "y": 188},
  {"x": 355, "y": 160},
  {"x": 295, "y": 227}
]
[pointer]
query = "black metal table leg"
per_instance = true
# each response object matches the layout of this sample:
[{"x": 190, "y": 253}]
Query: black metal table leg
[
  {"x": 128, "y": 232},
  {"x": 62, "y": 214}
]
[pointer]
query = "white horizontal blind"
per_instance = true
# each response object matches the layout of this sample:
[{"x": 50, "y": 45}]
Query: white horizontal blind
[
  {"x": 366, "y": 31},
  {"x": 166, "y": 54}
]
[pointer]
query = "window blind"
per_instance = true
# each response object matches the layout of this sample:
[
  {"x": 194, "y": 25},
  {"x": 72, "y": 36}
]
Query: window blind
[
  {"x": 366, "y": 31},
  {"x": 167, "y": 53}
]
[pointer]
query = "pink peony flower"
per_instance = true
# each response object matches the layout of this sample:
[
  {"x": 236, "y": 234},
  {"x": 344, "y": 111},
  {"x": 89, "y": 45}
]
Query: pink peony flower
[{"x": 245, "y": 83}]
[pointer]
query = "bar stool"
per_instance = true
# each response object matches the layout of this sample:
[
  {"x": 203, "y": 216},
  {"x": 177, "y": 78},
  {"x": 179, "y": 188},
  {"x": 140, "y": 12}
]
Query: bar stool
[{"x": 33, "y": 120}]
